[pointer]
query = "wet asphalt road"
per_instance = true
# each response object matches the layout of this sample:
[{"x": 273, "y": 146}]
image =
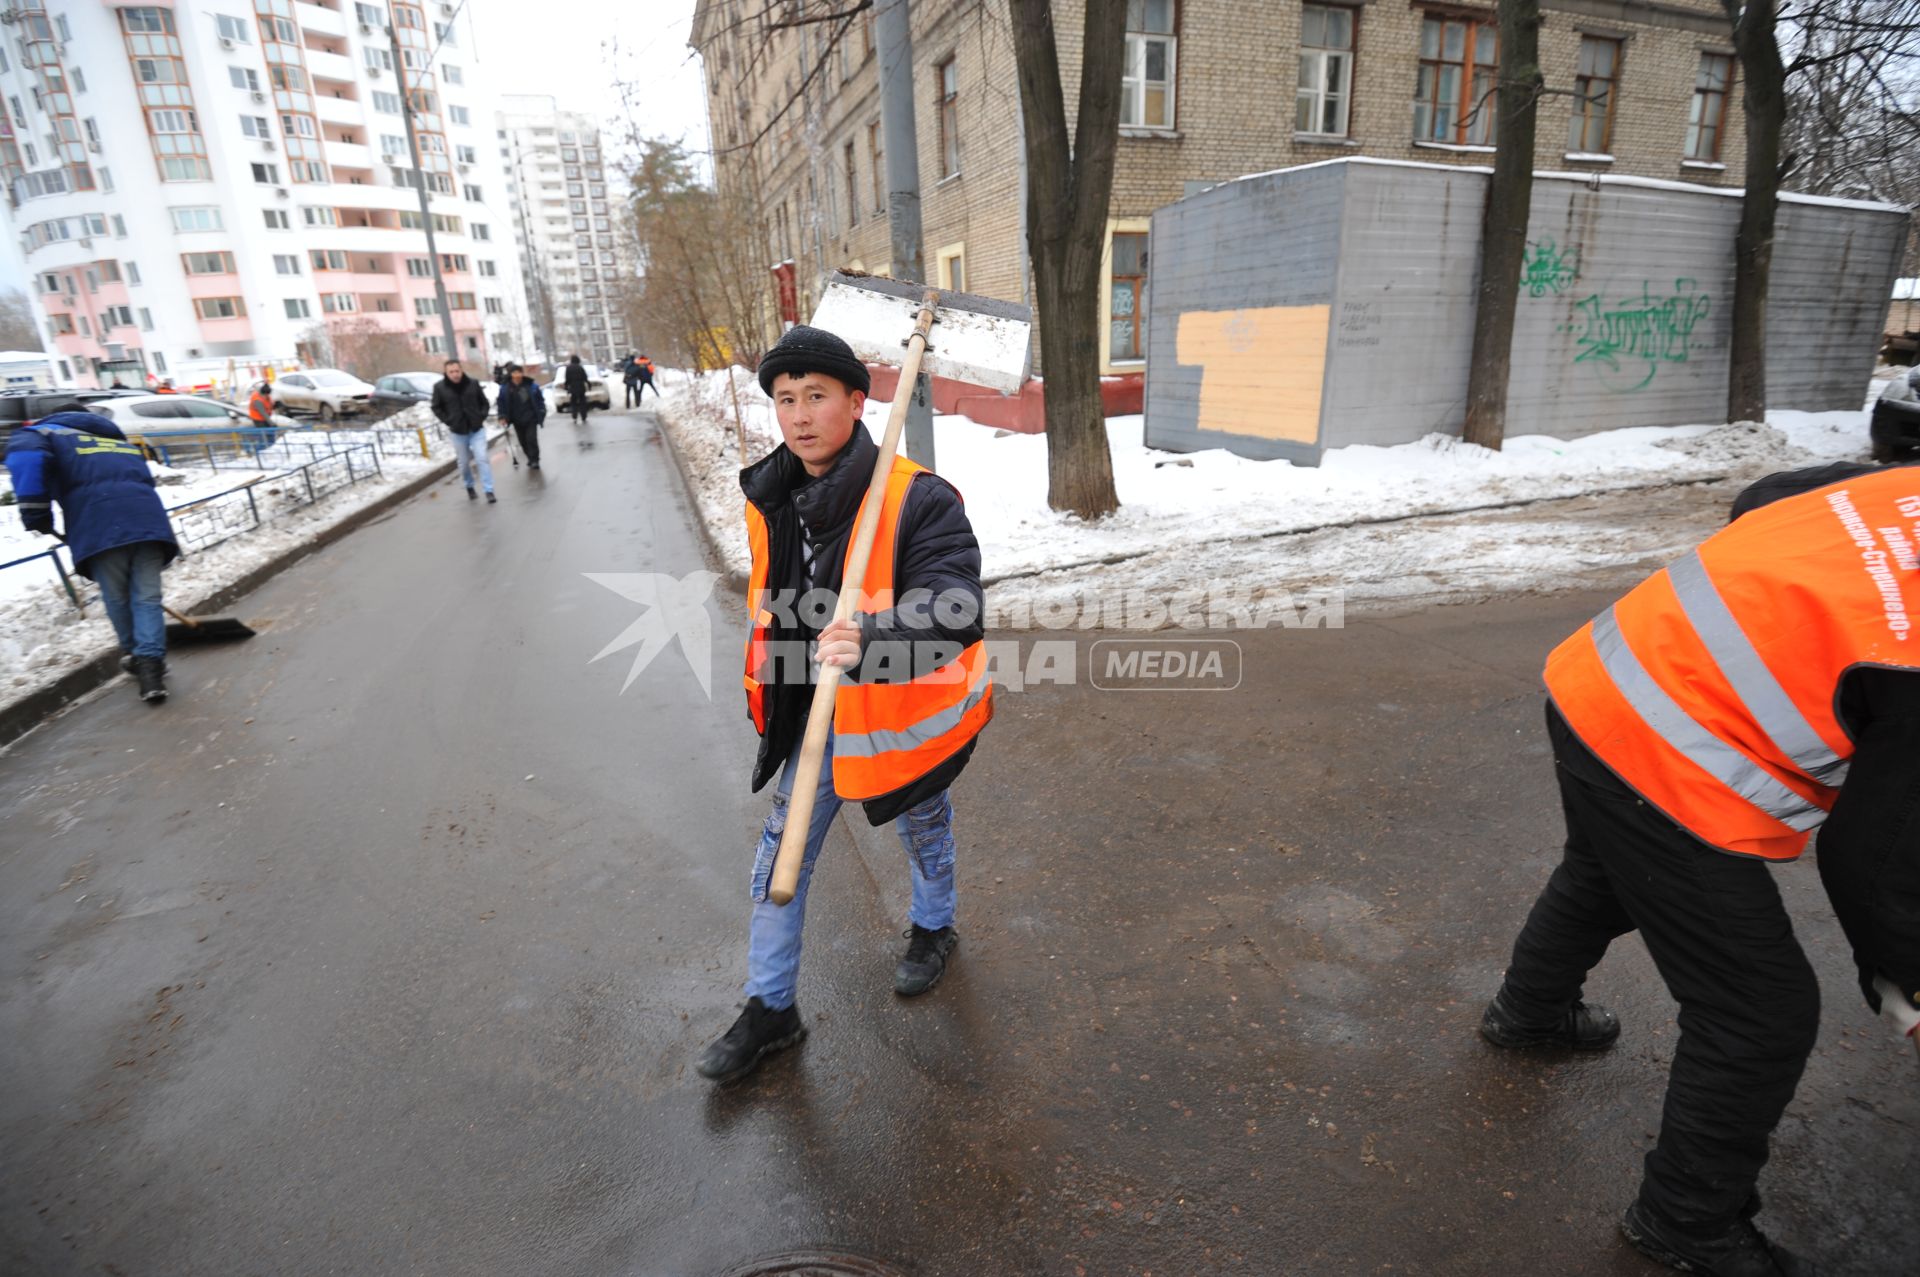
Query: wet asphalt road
[{"x": 301, "y": 974}]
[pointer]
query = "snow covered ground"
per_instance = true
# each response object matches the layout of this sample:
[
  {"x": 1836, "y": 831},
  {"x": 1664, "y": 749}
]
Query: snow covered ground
[
  {"x": 1214, "y": 516},
  {"x": 42, "y": 637}
]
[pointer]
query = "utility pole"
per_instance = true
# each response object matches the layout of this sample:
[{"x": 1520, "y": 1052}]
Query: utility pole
[
  {"x": 893, "y": 29},
  {"x": 420, "y": 189}
]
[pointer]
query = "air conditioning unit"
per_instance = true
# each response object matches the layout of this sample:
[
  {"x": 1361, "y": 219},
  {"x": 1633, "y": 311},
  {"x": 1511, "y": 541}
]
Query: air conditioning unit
[
  {"x": 226, "y": 42},
  {"x": 86, "y": 241},
  {"x": 93, "y": 144},
  {"x": 446, "y": 10},
  {"x": 366, "y": 28},
  {"x": 387, "y": 157},
  {"x": 266, "y": 144},
  {"x": 282, "y": 192},
  {"x": 258, "y": 96}
]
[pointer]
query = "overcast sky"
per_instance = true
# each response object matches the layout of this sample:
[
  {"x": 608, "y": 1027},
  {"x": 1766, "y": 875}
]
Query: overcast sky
[{"x": 584, "y": 51}]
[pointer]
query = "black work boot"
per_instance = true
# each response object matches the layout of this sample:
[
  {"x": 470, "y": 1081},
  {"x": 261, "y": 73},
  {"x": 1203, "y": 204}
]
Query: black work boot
[
  {"x": 126, "y": 665},
  {"x": 926, "y": 959},
  {"x": 1580, "y": 1027},
  {"x": 151, "y": 674},
  {"x": 758, "y": 1033},
  {"x": 1741, "y": 1251}
]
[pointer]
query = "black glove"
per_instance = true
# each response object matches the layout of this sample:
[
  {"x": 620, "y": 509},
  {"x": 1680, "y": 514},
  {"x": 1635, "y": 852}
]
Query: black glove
[{"x": 38, "y": 520}]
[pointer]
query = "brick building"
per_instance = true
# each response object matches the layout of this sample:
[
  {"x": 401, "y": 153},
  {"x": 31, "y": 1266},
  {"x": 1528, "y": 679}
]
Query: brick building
[{"x": 1213, "y": 89}]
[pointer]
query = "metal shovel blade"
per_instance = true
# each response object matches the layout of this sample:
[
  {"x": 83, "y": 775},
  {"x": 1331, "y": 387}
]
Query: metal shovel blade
[{"x": 979, "y": 340}]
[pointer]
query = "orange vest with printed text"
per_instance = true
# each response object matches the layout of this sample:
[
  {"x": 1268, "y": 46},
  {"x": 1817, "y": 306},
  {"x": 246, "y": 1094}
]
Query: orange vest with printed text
[
  {"x": 886, "y": 735},
  {"x": 260, "y": 408},
  {"x": 1712, "y": 689}
]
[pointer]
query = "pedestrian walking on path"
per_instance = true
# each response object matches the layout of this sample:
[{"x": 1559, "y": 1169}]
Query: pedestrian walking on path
[
  {"x": 461, "y": 406},
  {"x": 630, "y": 375},
  {"x": 905, "y": 724},
  {"x": 576, "y": 383},
  {"x": 115, "y": 525},
  {"x": 1764, "y": 686},
  {"x": 524, "y": 408},
  {"x": 645, "y": 366}
]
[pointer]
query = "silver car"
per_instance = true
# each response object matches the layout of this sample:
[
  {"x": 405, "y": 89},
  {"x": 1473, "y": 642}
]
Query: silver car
[{"x": 326, "y": 392}]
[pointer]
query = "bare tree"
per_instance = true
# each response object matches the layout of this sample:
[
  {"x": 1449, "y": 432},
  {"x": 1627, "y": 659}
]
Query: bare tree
[
  {"x": 17, "y": 329},
  {"x": 1503, "y": 236},
  {"x": 369, "y": 351},
  {"x": 1069, "y": 187}
]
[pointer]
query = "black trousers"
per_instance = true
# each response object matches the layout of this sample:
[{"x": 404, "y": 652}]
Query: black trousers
[
  {"x": 1717, "y": 931},
  {"x": 529, "y": 436},
  {"x": 633, "y": 393}
]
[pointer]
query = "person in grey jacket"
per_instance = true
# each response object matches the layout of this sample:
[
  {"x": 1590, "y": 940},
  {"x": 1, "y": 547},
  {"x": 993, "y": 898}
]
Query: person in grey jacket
[{"x": 461, "y": 406}]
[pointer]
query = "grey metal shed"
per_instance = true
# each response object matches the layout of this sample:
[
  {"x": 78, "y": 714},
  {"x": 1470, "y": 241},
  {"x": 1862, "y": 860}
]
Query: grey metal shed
[{"x": 1332, "y": 304}]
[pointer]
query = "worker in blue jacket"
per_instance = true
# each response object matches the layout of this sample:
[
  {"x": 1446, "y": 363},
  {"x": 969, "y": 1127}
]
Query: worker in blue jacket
[{"x": 115, "y": 525}]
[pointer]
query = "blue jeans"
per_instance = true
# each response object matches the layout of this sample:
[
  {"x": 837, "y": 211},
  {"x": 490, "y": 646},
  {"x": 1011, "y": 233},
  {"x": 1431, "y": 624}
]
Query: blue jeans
[
  {"x": 129, "y": 581},
  {"x": 472, "y": 452},
  {"x": 773, "y": 947}
]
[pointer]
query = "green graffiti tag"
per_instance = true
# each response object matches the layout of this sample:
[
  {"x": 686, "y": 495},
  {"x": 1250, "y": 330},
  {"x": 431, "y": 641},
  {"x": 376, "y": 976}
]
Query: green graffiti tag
[
  {"x": 1632, "y": 338},
  {"x": 1545, "y": 269}
]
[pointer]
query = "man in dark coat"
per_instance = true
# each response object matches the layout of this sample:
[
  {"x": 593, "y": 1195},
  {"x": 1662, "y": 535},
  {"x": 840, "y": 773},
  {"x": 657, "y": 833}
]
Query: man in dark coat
[
  {"x": 461, "y": 406},
  {"x": 802, "y": 502},
  {"x": 523, "y": 407},
  {"x": 116, "y": 526},
  {"x": 576, "y": 384},
  {"x": 630, "y": 374}
]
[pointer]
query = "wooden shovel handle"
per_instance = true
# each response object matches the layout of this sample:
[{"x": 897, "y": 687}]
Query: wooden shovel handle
[
  {"x": 184, "y": 620},
  {"x": 813, "y": 748}
]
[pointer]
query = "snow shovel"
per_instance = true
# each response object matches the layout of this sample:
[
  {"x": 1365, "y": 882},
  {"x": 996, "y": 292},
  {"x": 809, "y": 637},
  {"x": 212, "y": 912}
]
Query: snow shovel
[
  {"x": 981, "y": 340},
  {"x": 206, "y": 629}
]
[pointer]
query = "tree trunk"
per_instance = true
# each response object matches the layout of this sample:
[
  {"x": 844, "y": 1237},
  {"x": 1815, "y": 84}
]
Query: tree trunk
[
  {"x": 1764, "y": 96},
  {"x": 1503, "y": 234},
  {"x": 1069, "y": 188}
]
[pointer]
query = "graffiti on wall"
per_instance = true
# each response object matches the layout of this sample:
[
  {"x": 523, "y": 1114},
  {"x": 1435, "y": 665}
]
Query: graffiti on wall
[
  {"x": 1545, "y": 269},
  {"x": 1629, "y": 339}
]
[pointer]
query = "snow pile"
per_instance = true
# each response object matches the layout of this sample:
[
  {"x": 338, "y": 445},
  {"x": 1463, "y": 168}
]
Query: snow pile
[{"x": 1174, "y": 503}]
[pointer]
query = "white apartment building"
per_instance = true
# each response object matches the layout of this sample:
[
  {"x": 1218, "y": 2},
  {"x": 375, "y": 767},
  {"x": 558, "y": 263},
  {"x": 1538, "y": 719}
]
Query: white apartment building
[
  {"x": 217, "y": 180},
  {"x": 569, "y": 228}
]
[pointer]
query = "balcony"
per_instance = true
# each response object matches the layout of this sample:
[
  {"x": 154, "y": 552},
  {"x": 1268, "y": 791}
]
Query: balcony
[
  {"x": 348, "y": 155},
  {"x": 331, "y": 66},
  {"x": 333, "y": 110},
  {"x": 312, "y": 17}
]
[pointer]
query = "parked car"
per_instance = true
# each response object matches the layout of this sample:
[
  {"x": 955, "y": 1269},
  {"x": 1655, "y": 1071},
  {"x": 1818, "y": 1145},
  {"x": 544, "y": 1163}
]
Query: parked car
[
  {"x": 157, "y": 419},
  {"x": 22, "y": 407},
  {"x": 326, "y": 392},
  {"x": 1894, "y": 429},
  {"x": 598, "y": 395},
  {"x": 401, "y": 390}
]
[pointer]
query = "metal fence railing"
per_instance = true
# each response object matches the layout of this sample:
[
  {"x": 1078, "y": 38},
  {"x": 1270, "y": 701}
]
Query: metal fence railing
[
  {"x": 256, "y": 448},
  {"x": 207, "y": 521}
]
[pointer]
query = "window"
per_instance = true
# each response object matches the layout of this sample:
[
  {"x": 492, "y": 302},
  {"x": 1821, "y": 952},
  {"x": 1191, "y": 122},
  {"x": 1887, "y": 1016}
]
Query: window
[
  {"x": 244, "y": 78},
  {"x": 193, "y": 219},
  {"x": 371, "y": 15},
  {"x": 452, "y": 75},
  {"x": 172, "y": 122},
  {"x": 419, "y": 267},
  {"x": 1146, "y": 80},
  {"x": 308, "y": 170},
  {"x": 220, "y": 307},
  {"x": 1459, "y": 64},
  {"x": 876, "y": 168},
  {"x": 321, "y": 217},
  {"x": 1707, "y": 121},
  {"x": 327, "y": 259},
  {"x": 378, "y": 59},
  {"x": 255, "y": 126},
  {"x": 460, "y": 301},
  {"x": 133, "y": 273},
  {"x": 472, "y": 193},
  {"x": 1595, "y": 79},
  {"x": 458, "y": 114},
  {"x": 948, "y": 104},
  {"x": 494, "y": 306},
  {"x": 339, "y": 303},
  {"x": 286, "y": 264},
  {"x": 386, "y": 103},
  {"x": 79, "y": 76},
  {"x": 66, "y": 32},
  {"x": 276, "y": 219},
  {"x": 292, "y": 79},
  {"x": 853, "y": 186},
  {"x": 1326, "y": 71},
  {"x": 465, "y": 154},
  {"x": 235, "y": 29},
  {"x": 426, "y": 305},
  {"x": 146, "y": 319},
  {"x": 267, "y": 174},
  {"x": 1124, "y": 299},
  {"x": 488, "y": 270},
  {"x": 297, "y": 308},
  {"x": 482, "y": 231},
  {"x": 208, "y": 263}
]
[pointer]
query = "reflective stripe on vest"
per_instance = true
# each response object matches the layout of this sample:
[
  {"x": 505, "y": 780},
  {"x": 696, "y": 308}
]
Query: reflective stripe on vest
[
  {"x": 871, "y": 744},
  {"x": 1758, "y": 689},
  {"x": 1720, "y": 760}
]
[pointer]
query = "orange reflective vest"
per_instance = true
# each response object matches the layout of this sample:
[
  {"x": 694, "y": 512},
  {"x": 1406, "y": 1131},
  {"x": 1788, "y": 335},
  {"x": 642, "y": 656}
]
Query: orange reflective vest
[
  {"x": 885, "y": 735},
  {"x": 260, "y": 408},
  {"x": 1712, "y": 688}
]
